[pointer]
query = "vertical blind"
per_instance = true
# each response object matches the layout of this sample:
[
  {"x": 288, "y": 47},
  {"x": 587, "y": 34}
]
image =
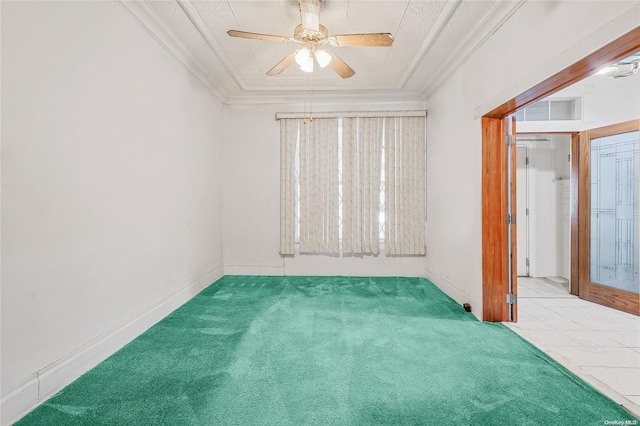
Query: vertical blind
[
  {"x": 362, "y": 168},
  {"x": 288, "y": 208},
  {"x": 352, "y": 183},
  {"x": 405, "y": 168},
  {"x": 319, "y": 216}
]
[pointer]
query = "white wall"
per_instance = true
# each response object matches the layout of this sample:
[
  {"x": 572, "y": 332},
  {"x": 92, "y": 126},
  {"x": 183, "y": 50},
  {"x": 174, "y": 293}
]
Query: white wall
[
  {"x": 609, "y": 100},
  {"x": 536, "y": 34},
  {"x": 111, "y": 190},
  {"x": 252, "y": 200},
  {"x": 605, "y": 101}
]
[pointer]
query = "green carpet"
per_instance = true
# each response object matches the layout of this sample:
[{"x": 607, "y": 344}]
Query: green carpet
[{"x": 254, "y": 350}]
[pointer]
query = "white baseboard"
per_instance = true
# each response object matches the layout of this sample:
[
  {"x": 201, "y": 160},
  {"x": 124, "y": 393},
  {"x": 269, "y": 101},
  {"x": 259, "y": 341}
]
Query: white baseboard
[
  {"x": 46, "y": 382},
  {"x": 453, "y": 291},
  {"x": 253, "y": 270}
]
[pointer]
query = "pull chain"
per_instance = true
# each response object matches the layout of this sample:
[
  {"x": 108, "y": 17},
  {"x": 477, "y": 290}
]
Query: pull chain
[
  {"x": 311, "y": 97},
  {"x": 304, "y": 101}
]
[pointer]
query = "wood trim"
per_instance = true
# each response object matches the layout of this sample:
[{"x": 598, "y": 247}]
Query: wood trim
[
  {"x": 584, "y": 201},
  {"x": 615, "y": 298},
  {"x": 495, "y": 250},
  {"x": 514, "y": 226},
  {"x": 574, "y": 209},
  {"x": 614, "y": 129},
  {"x": 619, "y": 49},
  {"x": 567, "y": 132}
]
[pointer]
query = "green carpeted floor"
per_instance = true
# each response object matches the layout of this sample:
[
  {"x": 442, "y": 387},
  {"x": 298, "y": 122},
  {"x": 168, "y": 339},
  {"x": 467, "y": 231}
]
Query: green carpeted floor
[{"x": 254, "y": 350}]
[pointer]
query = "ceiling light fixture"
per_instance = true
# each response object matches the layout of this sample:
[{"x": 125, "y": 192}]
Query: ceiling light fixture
[
  {"x": 620, "y": 70},
  {"x": 305, "y": 60},
  {"x": 302, "y": 56},
  {"x": 308, "y": 66},
  {"x": 323, "y": 57},
  {"x": 624, "y": 68}
]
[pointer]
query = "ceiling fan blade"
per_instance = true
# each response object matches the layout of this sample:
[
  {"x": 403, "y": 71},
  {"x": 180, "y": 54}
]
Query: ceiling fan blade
[
  {"x": 373, "y": 39},
  {"x": 257, "y": 36},
  {"x": 340, "y": 66},
  {"x": 282, "y": 65},
  {"x": 310, "y": 14}
]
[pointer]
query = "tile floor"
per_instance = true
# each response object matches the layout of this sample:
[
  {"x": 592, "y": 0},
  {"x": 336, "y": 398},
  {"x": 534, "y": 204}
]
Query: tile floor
[{"x": 599, "y": 344}]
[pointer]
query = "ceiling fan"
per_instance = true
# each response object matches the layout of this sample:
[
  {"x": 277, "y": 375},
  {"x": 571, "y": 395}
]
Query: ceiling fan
[{"x": 313, "y": 37}]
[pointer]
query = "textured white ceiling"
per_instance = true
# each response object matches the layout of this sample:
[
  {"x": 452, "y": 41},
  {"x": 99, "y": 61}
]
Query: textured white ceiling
[{"x": 431, "y": 39}]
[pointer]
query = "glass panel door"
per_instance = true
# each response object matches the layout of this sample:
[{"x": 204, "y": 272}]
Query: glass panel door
[
  {"x": 614, "y": 211},
  {"x": 609, "y": 178}
]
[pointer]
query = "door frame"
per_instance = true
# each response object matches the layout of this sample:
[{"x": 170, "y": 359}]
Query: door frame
[
  {"x": 495, "y": 241},
  {"x": 523, "y": 217}
]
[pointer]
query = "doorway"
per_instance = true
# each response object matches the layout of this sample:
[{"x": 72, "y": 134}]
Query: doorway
[
  {"x": 544, "y": 205},
  {"x": 496, "y": 258}
]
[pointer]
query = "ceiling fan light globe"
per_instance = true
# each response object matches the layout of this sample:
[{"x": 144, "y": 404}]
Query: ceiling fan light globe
[
  {"x": 308, "y": 66},
  {"x": 323, "y": 57},
  {"x": 303, "y": 56}
]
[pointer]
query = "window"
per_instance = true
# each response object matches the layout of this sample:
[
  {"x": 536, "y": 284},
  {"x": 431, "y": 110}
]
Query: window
[
  {"x": 353, "y": 184},
  {"x": 551, "y": 110}
]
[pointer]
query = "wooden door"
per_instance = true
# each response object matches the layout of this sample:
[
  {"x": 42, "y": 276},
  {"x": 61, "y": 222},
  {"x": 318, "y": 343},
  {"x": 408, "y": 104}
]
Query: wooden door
[{"x": 608, "y": 216}]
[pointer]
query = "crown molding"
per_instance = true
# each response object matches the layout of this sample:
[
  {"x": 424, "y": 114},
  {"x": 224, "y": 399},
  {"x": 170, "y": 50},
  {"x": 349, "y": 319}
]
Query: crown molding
[
  {"x": 149, "y": 21},
  {"x": 448, "y": 10},
  {"x": 371, "y": 97},
  {"x": 495, "y": 16},
  {"x": 208, "y": 38}
]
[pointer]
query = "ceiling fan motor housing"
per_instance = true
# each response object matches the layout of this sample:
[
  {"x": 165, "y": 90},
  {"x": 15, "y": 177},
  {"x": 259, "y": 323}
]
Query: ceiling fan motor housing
[{"x": 310, "y": 38}]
